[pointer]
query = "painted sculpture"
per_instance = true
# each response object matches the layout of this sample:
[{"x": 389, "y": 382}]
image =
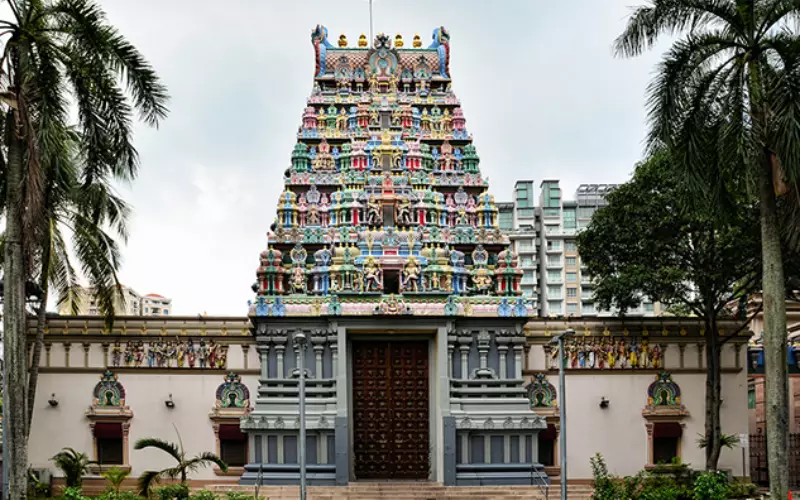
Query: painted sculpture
[{"x": 384, "y": 194}]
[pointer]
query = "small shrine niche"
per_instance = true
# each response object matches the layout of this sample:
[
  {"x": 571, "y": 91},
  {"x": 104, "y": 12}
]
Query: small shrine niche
[
  {"x": 109, "y": 420},
  {"x": 541, "y": 392},
  {"x": 664, "y": 415},
  {"x": 232, "y": 402},
  {"x": 543, "y": 399}
]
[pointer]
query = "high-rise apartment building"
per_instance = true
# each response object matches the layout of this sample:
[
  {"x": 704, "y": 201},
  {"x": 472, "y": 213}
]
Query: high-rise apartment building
[
  {"x": 129, "y": 303},
  {"x": 544, "y": 237}
]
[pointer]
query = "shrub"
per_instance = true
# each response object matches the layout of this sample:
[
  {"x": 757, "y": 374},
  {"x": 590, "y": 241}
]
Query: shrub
[
  {"x": 74, "y": 465},
  {"x": 122, "y": 495},
  {"x": 204, "y": 495},
  {"x": 172, "y": 492},
  {"x": 115, "y": 477},
  {"x": 72, "y": 493},
  {"x": 235, "y": 495},
  {"x": 742, "y": 490},
  {"x": 604, "y": 484},
  {"x": 711, "y": 486}
]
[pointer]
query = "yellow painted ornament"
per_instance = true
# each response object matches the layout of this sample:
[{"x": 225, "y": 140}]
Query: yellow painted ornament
[
  {"x": 362, "y": 40},
  {"x": 398, "y": 40},
  {"x": 417, "y": 41},
  {"x": 342, "y": 40}
]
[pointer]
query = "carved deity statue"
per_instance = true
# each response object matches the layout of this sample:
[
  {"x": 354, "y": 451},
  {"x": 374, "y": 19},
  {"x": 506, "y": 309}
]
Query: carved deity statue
[
  {"x": 202, "y": 354},
  {"x": 212, "y": 353},
  {"x": 482, "y": 280},
  {"x": 191, "y": 354},
  {"x": 116, "y": 354},
  {"x": 372, "y": 276},
  {"x": 298, "y": 280},
  {"x": 374, "y": 217},
  {"x": 411, "y": 274},
  {"x": 655, "y": 356},
  {"x": 404, "y": 212},
  {"x": 181, "y": 354}
]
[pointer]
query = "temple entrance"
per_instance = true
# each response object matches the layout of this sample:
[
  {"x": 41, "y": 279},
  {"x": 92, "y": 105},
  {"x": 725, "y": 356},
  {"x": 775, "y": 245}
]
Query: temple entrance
[{"x": 390, "y": 410}]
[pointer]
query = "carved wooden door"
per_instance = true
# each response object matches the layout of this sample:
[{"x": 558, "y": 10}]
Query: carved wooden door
[{"x": 390, "y": 410}]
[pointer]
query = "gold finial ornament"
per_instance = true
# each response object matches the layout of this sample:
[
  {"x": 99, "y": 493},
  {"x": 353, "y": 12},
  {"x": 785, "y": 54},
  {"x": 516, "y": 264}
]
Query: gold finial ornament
[
  {"x": 417, "y": 41},
  {"x": 342, "y": 40},
  {"x": 362, "y": 40},
  {"x": 398, "y": 40}
]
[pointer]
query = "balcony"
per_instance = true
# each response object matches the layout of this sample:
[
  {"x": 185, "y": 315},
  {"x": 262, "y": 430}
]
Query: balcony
[
  {"x": 526, "y": 249},
  {"x": 553, "y": 249},
  {"x": 554, "y": 264}
]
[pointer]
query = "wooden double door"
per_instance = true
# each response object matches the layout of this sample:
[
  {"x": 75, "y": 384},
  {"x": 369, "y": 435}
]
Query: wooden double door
[{"x": 391, "y": 412}]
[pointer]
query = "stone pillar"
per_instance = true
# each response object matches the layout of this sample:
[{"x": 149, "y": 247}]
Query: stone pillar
[
  {"x": 450, "y": 348},
  {"x": 519, "y": 345},
  {"x": 245, "y": 355},
  {"x": 263, "y": 352},
  {"x": 280, "y": 347},
  {"x": 681, "y": 353},
  {"x": 464, "y": 348},
  {"x": 502, "y": 351},
  {"x": 342, "y": 424},
  {"x": 334, "y": 354}
]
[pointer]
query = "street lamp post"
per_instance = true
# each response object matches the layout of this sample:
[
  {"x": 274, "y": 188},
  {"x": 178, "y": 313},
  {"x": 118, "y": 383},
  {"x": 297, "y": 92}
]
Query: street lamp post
[
  {"x": 300, "y": 340},
  {"x": 562, "y": 393}
]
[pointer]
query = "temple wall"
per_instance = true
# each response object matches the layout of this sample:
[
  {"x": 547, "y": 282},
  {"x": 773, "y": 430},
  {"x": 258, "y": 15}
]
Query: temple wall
[
  {"x": 67, "y": 426},
  {"x": 619, "y": 433}
]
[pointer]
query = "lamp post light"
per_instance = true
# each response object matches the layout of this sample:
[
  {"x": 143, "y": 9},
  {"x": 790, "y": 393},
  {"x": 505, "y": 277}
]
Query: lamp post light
[
  {"x": 300, "y": 340},
  {"x": 562, "y": 407}
]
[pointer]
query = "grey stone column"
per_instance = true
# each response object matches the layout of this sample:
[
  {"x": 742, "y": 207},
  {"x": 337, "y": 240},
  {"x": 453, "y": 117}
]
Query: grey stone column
[
  {"x": 464, "y": 348},
  {"x": 280, "y": 347},
  {"x": 263, "y": 351},
  {"x": 342, "y": 429},
  {"x": 519, "y": 344}
]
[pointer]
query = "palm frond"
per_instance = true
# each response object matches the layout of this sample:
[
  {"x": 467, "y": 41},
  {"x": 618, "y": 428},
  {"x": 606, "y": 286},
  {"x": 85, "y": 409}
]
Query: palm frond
[
  {"x": 146, "y": 482},
  {"x": 160, "y": 444}
]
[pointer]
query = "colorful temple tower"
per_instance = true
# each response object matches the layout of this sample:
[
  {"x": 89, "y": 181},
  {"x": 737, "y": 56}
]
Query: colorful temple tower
[{"x": 386, "y": 253}]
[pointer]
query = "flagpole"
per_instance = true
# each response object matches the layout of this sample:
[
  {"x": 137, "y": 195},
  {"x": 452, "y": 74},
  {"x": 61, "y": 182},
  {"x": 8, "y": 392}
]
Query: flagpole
[{"x": 370, "y": 21}]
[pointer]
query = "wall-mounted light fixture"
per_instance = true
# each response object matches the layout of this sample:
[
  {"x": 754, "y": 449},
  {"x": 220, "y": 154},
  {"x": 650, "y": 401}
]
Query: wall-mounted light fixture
[
  {"x": 53, "y": 401},
  {"x": 169, "y": 403},
  {"x": 604, "y": 402}
]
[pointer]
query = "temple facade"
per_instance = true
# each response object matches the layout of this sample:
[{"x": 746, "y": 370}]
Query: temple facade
[{"x": 386, "y": 275}]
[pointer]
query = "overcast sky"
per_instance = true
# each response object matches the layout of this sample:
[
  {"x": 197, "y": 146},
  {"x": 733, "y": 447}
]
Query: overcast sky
[{"x": 541, "y": 91}]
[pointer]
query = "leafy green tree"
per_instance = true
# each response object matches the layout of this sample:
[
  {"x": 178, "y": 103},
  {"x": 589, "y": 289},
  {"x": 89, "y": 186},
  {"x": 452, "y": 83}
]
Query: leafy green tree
[
  {"x": 74, "y": 465},
  {"x": 653, "y": 239},
  {"x": 58, "y": 53},
  {"x": 737, "y": 63},
  {"x": 184, "y": 465}
]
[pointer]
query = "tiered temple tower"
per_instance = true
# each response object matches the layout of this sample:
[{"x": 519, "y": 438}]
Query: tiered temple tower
[{"x": 386, "y": 253}]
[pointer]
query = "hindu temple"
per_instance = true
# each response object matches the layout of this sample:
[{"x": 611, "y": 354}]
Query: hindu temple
[
  {"x": 386, "y": 276},
  {"x": 385, "y": 252}
]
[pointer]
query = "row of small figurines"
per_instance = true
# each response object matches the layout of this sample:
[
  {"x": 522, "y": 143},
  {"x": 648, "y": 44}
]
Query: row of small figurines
[
  {"x": 608, "y": 354},
  {"x": 161, "y": 353}
]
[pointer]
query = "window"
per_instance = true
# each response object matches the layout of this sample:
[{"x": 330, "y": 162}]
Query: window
[
  {"x": 506, "y": 221},
  {"x": 751, "y": 397},
  {"x": 553, "y": 260},
  {"x": 588, "y": 308},
  {"x": 571, "y": 246},
  {"x": 666, "y": 442},
  {"x": 166, "y": 311},
  {"x": 572, "y": 277},
  {"x": 551, "y": 229},
  {"x": 550, "y": 212},
  {"x": 555, "y": 307},
  {"x": 569, "y": 219},
  {"x": 232, "y": 445},
  {"x": 554, "y": 245},
  {"x": 585, "y": 212},
  {"x": 553, "y": 292},
  {"x": 554, "y": 276},
  {"x": 525, "y": 212},
  {"x": 572, "y": 292},
  {"x": 528, "y": 291},
  {"x": 572, "y": 261},
  {"x": 572, "y": 308},
  {"x": 109, "y": 443},
  {"x": 526, "y": 262},
  {"x": 648, "y": 307}
]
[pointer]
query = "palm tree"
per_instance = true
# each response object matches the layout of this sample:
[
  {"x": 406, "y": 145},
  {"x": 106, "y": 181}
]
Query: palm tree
[
  {"x": 82, "y": 211},
  {"x": 57, "y": 53},
  {"x": 731, "y": 84},
  {"x": 183, "y": 467},
  {"x": 115, "y": 477},
  {"x": 74, "y": 465}
]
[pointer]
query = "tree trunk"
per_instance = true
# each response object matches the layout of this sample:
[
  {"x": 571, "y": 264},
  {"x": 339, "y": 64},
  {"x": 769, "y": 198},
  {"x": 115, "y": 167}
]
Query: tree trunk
[
  {"x": 16, "y": 363},
  {"x": 775, "y": 340},
  {"x": 41, "y": 319},
  {"x": 713, "y": 428}
]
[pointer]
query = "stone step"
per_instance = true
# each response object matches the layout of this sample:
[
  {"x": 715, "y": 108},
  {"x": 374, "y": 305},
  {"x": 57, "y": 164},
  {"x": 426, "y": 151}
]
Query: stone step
[{"x": 411, "y": 491}]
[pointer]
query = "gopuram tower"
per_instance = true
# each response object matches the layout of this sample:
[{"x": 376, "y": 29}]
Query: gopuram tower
[{"x": 386, "y": 254}]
